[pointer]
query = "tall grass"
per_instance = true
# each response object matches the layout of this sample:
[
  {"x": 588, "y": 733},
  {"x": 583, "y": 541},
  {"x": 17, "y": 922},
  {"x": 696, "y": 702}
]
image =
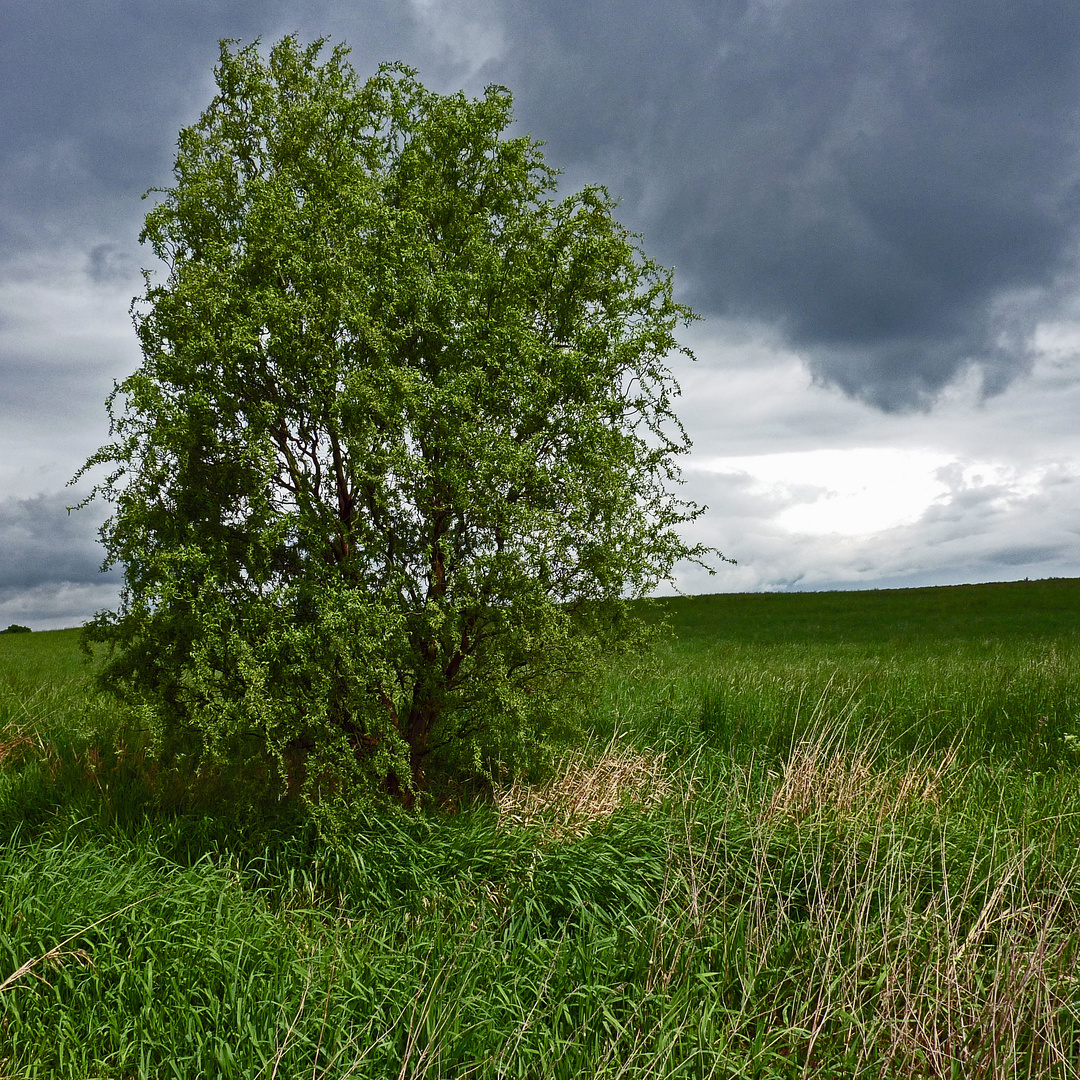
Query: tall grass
[{"x": 780, "y": 857}]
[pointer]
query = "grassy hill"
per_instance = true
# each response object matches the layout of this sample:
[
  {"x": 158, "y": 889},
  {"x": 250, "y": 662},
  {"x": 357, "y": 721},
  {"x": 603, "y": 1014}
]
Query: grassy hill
[
  {"x": 1048, "y": 610},
  {"x": 813, "y": 834}
]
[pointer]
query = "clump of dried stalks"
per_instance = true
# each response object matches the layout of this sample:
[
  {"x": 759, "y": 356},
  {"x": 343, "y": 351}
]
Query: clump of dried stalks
[
  {"x": 16, "y": 744},
  {"x": 824, "y": 777},
  {"x": 584, "y": 790},
  {"x": 12, "y": 748},
  {"x": 921, "y": 963}
]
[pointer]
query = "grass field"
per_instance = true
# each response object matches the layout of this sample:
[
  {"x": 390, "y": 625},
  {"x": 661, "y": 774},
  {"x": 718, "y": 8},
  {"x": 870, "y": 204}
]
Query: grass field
[{"x": 827, "y": 835}]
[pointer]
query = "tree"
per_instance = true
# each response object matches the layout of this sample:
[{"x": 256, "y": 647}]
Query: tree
[{"x": 401, "y": 444}]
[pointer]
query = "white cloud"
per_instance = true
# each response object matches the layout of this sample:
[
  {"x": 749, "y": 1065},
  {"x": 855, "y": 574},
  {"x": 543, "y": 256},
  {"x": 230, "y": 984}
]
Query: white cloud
[
  {"x": 861, "y": 491},
  {"x": 809, "y": 489},
  {"x": 63, "y": 341},
  {"x": 852, "y": 492},
  {"x": 805, "y": 487}
]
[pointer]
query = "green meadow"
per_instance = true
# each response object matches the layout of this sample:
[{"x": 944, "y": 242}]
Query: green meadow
[{"x": 811, "y": 835}]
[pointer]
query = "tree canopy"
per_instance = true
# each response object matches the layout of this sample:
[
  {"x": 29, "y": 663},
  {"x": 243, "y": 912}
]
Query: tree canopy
[{"x": 401, "y": 445}]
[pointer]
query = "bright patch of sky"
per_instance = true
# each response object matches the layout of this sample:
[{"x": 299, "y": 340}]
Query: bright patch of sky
[
  {"x": 853, "y": 492},
  {"x": 860, "y": 491}
]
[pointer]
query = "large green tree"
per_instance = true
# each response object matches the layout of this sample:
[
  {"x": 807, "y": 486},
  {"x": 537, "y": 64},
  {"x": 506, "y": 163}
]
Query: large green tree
[{"x": 401, "y": 444}]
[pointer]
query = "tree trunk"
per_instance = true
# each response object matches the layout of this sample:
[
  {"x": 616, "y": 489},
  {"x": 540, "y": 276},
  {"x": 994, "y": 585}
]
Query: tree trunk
[{"x": 421, "y": 720}]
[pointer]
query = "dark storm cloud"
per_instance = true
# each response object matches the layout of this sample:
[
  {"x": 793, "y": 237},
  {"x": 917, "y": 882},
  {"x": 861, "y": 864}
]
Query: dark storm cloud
[
  {"x": 95, "y": 93},
  {"x": 893, "y": 185},
  {"x": 108, "y": 264},
  {"x": 885, "y": 192},
  {"x": 43, "y": 545}
]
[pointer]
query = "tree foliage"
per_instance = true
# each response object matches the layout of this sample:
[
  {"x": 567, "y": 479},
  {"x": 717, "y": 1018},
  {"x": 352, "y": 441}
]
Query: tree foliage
[{"x": 402, "y": 442}]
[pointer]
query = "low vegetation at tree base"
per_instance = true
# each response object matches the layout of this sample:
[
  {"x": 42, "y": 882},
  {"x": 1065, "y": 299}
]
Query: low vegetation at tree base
[
  {"x": 401, "y": 444},
  {"x": 849, "y": 845}
]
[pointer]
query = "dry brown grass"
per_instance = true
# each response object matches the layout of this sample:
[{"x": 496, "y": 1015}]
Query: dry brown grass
[
  {"x": 584, "y": 791},
  {"x": 930, "y": 970},
  {"x": 824, "y": 777},
  {"x": 13, "y": 748},
  {"x": 17, "y": 745}
]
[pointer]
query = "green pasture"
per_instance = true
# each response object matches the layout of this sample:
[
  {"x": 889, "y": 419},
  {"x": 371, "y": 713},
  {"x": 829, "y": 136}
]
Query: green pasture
[{"x": 826, "y": 835}]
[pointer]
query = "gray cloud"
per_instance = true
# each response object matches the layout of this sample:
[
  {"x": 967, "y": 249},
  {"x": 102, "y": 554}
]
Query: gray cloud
[
  {"x": 43, "y": 545},
  {"x": 95, "y": 94},
  {"x": 57, "y": 606},
  {"x": 108, "y": 264},
  {"x": 892, "y": 185},
  {"x": 50, "y": 563}
]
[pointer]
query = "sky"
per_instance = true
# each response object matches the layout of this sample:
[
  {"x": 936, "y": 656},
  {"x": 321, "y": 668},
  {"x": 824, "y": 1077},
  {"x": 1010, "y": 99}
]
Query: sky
[{"x": 874, "y": 206}]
